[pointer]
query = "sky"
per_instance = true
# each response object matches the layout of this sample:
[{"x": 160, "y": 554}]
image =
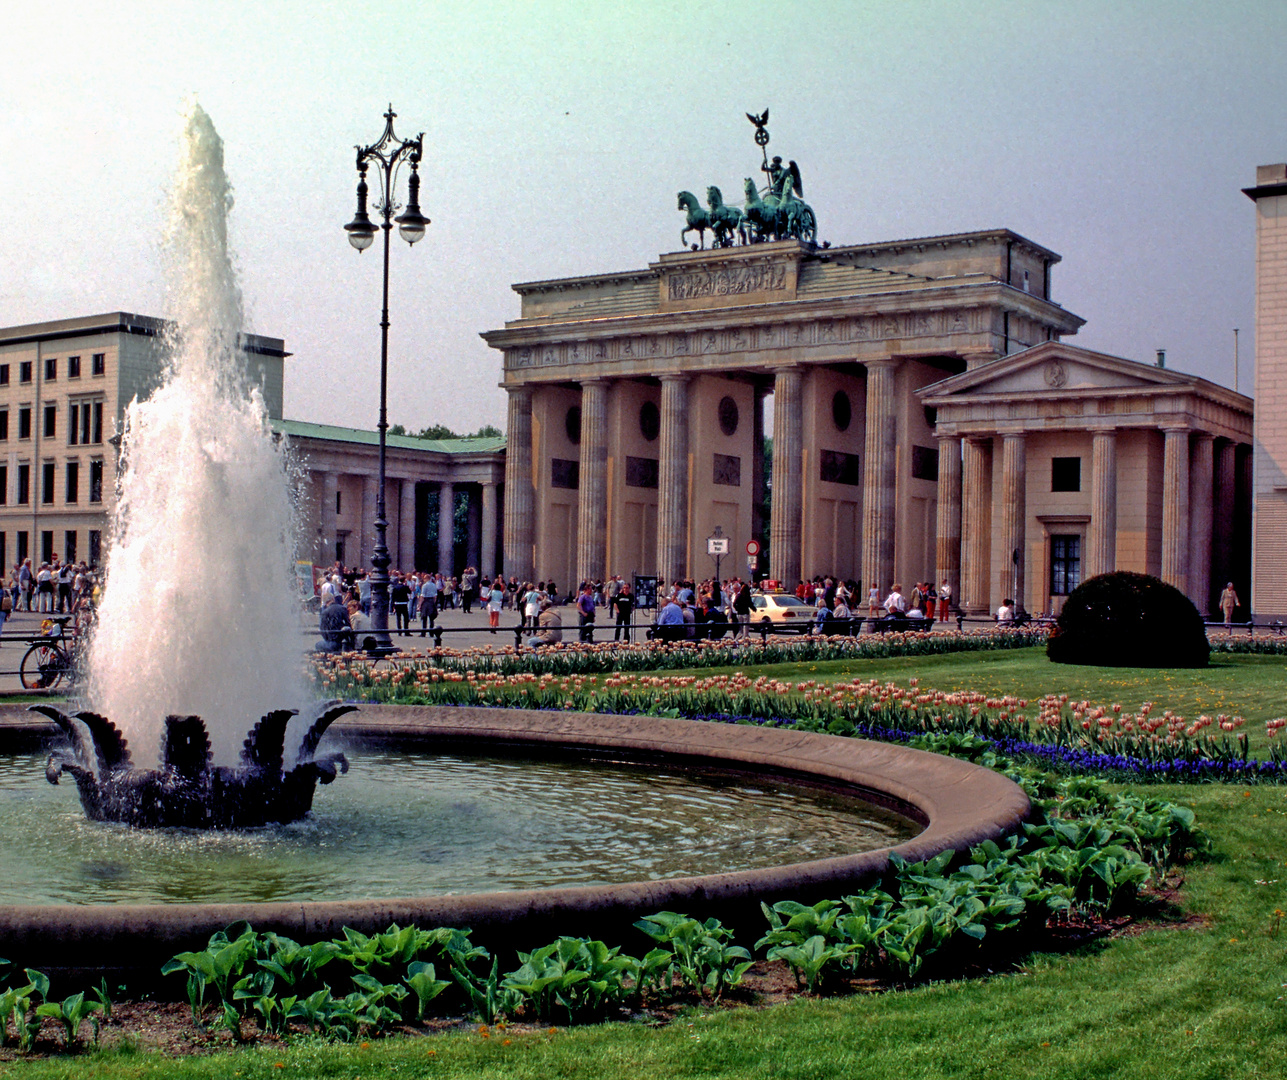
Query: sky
[{"x": 557, "y": 133}]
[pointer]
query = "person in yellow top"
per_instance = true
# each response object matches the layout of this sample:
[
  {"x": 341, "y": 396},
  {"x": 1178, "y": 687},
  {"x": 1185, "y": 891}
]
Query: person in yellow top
[{"x": 1228, "y": 601}]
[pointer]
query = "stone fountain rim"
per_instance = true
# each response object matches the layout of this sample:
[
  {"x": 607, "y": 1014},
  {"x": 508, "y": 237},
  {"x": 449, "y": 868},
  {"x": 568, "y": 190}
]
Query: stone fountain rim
[{"x": 959, "y": 803}]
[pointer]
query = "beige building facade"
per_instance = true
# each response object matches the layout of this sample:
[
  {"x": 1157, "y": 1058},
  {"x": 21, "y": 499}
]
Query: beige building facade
[
  {"x": 64, "y": 386},
  {"x": 1074, "y": 463}
]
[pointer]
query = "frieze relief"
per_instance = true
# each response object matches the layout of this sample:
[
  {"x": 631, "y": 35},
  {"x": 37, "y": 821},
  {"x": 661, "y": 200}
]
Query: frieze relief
[
  {"x": 762, "y": 338},
  {"x": 735, "y": 281}
]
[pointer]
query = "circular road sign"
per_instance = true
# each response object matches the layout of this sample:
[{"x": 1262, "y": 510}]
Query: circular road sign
[{"x": 752, "y": 547}]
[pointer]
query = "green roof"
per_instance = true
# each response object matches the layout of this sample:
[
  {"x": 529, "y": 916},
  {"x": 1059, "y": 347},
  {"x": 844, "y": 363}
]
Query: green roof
[{"x": 489, "y": 444}]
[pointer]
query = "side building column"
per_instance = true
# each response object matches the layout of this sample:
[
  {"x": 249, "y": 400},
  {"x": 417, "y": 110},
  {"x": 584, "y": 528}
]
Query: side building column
[
  {"x": 672, "y": 480},
  {"x": 446, "y": 528},
  {"x": 788, "y": 481},
  {"x": 520, "y": 495},
  {"x": 947, "y": 547},
  {"x": 879, "y": 477},
  {"x": 405, "y": 556},
  {"x": 329, "y": 483},
  {"x": 976, "y": 524},
  {"x": 1175, "y": 508},
  {"x": 488, "y": 557},
  {"x": 1014, "y": 516},
  {"x": 1101, "y": 541},
  {"x": 592, "y": 498},
  {"x": 1201, "y": 497},
  {"x": 370, "y": 493}
]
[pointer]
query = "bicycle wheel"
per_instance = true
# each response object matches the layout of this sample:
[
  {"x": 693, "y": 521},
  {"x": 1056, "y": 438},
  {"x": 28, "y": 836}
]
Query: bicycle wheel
[{"x": 43, "y": 667}]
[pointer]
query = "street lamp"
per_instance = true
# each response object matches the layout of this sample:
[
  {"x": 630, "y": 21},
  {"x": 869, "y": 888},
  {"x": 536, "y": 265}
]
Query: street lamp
[{"x": 387, "y": 155}]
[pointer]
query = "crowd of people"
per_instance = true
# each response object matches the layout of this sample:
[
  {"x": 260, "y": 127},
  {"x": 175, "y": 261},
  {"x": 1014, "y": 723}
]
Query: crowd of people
[
  {"x": 50, "y": 588},
  {"x": 682, "y": 609}
]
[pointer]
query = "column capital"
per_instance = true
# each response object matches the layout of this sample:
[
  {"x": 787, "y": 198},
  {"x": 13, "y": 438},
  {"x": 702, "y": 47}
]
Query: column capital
[
  {"x": 519, "y": 392},
  {"x": 1205, "y": 436},
  {"x": 1176, "y": 427},
  {"x": 675, "y": 378},
  {"x": 881, "y": 363}
]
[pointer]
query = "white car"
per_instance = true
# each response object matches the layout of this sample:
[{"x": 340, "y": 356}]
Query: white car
[{"x": 784, "y": 611}]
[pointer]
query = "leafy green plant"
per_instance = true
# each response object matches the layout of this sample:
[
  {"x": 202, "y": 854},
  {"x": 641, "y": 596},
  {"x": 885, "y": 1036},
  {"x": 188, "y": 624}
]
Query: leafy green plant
[
  {"x": 219, "y": 965},
  {"x": 572, "y": 978},
  {"x": 424, "y": 984},
  {"x": 693, "y": 954},
  {"x": 70, "y": 1012}
]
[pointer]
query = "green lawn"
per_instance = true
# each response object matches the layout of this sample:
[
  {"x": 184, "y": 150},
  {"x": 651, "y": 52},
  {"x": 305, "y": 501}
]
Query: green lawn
[{"x": 1199, "y": 994}]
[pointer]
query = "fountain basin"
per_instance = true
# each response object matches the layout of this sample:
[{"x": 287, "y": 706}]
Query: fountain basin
[{"x": 958, "y": 803}]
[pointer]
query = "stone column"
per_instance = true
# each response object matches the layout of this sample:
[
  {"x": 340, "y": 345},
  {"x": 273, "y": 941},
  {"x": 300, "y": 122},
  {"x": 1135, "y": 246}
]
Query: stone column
[
  {"x": 592, "y": 498},
  {"x": 1201, "y": 492},
  {"x": 1226, "y": 474},
  {"x": 1014, "y": 516},
  {"x": 976, "y": 524},
  {"x": 405, "y": 556},
  {"x": 446, "y": 528},
  {"x": 329, "y": 483},
  {"x": 788, "y": 482},
  {"x": 1101, "y": 541},
  {"x": 947, "y": 547},
  {"x": 879, "y": 477},
  {"x": 488, "y": 557},
  {"x": 520, "y": 495},
  {"x": 366, "y": 527},
  {"x": 1175, "y": 508},
  {"x": 672, "y": 480}
]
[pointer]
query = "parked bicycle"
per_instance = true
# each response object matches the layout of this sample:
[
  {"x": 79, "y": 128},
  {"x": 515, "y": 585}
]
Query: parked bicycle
[{"x": 52, "y": 659}]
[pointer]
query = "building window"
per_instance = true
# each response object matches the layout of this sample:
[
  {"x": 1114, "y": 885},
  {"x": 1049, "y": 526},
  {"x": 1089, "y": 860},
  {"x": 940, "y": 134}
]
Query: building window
[
  {"x": 73, "y": 367},
  {"x": 96, "y": 481},
  {"x": 47, "y": 476},
  {"x": 4, "y": 374},
  {"x": 4, "y": 425},
  {"x": 3, "y": 552},
  {"x": 1065, "y": 474},
  {"x": 98, "y": 364},
  {"x": 1065, "y": 564},
  {"x": 51, "y": 421},
  {"x": 69, "y": 546},
  {"x": 24, "y": 484},
  {"x": 924, "y": 463},
  {"x": 24, "y": 371},
  {"x": 24, "y": 422},
  {"x": 95, "y": 546},
  {"x": 339, "y": 496},
  {"x": 23, "y": 550},
  {"x": 4, "y": 489},
  {"x": 51, "y": 368},
  {"x": 73, "y": 481},
  {"x": 47, "y": 545},
  {"x": 98, "y": 422}
]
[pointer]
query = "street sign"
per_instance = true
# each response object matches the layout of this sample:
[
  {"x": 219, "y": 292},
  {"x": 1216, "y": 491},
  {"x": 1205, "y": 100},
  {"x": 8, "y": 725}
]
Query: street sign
[
  {"x": 752, "y": 547},
  {"x": 752, "y": 562},
  {"x": 717, "y": 545}
]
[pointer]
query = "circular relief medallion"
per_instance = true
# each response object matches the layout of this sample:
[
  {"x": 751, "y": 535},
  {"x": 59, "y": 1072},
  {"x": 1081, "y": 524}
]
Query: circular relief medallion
[
  {"x": 842, "y": 410},
  {"x": 1056, "y": 375},
  {"x": 649, "y": 421},
  {"x": 728, "y": 416},
  {"x": 573, "y": 424}
]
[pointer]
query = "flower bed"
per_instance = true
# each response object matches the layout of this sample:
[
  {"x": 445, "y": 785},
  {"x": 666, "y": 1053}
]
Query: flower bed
[{"x": 1068, "y": 735}]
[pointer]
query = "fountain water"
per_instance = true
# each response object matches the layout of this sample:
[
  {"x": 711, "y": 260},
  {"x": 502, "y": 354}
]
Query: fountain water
[{"x": 198, "y": 618}]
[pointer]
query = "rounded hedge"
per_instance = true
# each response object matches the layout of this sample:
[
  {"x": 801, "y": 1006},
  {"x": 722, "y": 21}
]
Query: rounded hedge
[{"x": 1129, "y": 620}]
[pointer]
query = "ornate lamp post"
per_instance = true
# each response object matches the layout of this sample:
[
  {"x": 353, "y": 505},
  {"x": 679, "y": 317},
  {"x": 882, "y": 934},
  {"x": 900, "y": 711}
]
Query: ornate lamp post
[{"x": 387, "y": 155}]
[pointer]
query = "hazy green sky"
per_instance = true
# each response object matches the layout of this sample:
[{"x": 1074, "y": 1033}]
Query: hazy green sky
[{"x": 557, "y": 134}]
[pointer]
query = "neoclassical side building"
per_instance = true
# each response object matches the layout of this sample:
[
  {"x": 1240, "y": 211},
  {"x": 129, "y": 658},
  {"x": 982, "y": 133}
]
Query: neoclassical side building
[{"x": 636, "y": 405}]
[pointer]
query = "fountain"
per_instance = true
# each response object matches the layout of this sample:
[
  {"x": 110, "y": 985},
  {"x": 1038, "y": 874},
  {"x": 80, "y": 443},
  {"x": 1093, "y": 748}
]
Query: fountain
[{"x": 198, "y": 626}]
